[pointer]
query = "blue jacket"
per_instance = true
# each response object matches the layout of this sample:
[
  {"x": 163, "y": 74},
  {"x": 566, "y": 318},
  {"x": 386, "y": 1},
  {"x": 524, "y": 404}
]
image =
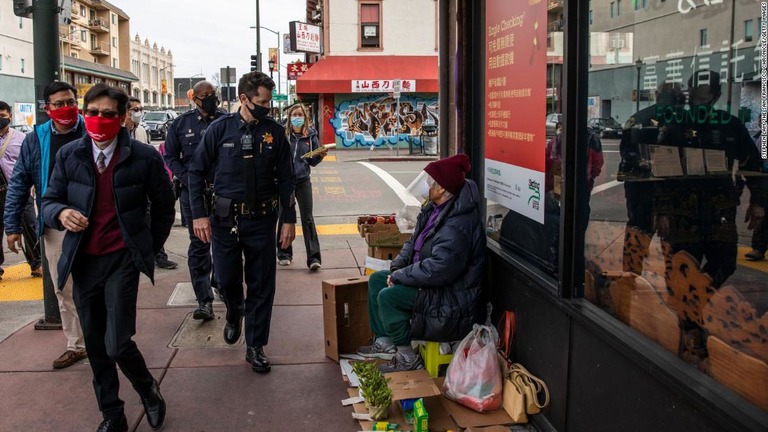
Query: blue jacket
[
  {"x": 31, "y": 170},
  {"x": 139, "y": 177},
  {"x": 450, "y": 269},
  {"x": 301, "y": 145}
]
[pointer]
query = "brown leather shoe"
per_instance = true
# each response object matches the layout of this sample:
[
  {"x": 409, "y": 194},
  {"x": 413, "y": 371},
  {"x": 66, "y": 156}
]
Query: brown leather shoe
[
  {"x": 37, "y": 271},
  {"x": 69, "y": 358}
]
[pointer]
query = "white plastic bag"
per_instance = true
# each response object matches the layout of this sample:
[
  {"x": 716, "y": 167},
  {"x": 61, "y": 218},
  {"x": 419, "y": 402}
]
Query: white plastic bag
[{"x": 474, "y": 376}]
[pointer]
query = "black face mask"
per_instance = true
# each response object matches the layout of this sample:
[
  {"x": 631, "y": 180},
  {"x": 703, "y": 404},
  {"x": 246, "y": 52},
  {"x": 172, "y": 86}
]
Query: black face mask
[
  {"x": 4, "y": 122},
  {"x": 209, "y": 105},
  {"x": 258, "y": 112}
]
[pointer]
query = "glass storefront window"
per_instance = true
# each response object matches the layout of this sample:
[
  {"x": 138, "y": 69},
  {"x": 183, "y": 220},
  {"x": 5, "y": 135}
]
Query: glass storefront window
[
  {"x": 676, "y": 236},
  {"x": 523, "y": 75}
]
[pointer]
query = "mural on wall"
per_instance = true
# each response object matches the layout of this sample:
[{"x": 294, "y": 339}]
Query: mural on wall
[{"x": 377, "y": 121}]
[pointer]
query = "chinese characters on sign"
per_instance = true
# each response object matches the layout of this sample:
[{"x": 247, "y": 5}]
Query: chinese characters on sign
[
  {"x": 305, "y": 37},
  {"x": 515, "y": 90},
  {"x": 297, "y": 69},
  {"x": 382, "y": 86}
]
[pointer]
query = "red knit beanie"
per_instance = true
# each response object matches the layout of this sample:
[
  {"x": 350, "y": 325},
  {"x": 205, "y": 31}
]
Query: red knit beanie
[{"x": 450, "y": 172}]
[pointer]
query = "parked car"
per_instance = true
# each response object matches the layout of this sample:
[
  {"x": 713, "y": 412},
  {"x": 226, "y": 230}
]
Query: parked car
[
  {"x": 605, "y": 127},
  {"x": 157, "y": 123},
  {"x": 552, "y": 120}
]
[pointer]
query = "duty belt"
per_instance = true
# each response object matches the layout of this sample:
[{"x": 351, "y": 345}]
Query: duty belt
[{"x": 263, "y": 208}]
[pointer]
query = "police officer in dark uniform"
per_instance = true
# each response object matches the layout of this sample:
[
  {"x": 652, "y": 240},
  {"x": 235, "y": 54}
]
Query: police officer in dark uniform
[
  {"x": 641, "y": 130},
  {"x": 184, "y": 135},
  {"x": 253, "y": 172}
]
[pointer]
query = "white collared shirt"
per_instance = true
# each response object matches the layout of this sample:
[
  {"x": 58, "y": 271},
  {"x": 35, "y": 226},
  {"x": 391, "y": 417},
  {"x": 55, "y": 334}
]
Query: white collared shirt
[{"x": 108, "y": 152}]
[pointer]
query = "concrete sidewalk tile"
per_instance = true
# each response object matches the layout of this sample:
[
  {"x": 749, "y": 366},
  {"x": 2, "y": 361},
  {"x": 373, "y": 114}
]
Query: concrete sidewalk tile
[
  {"x": 62, "y": 402},
  {"x": 156, "y": 296},
  {"x": 34, "y": 350},
  {"x": 304, "y": 288},
  {"x": 332, "y": 258},
  {"x": 296, "y": 337},
  {"x": 290, "y": 398},
  {"x": 154, "y": 330}
]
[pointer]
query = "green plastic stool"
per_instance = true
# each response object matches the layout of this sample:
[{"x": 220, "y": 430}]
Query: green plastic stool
[{"x": 430, "y": 354}]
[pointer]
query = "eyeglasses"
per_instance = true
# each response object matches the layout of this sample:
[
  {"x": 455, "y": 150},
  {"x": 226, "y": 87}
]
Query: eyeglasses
[
  {"x": 105, "y": 114},
  {"x": 61, "y": 104}
]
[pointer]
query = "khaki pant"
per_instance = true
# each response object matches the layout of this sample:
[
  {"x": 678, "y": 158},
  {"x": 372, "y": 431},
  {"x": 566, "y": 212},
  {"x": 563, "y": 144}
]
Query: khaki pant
[{"x": 70, "y": 322}]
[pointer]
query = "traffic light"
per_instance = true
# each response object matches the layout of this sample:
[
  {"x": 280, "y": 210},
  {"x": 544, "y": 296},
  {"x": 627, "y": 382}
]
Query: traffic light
[
  {"x": 22, "y": 8},
  {"x": 254, "y": 63}
]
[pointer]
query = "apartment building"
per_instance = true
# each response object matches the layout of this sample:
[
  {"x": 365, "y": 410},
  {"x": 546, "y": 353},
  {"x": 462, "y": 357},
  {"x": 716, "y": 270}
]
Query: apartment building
[
  {"x": 154, "y": 68},
  {"x": 95, "y": 46},
  {"x": 17, "y": 86}
]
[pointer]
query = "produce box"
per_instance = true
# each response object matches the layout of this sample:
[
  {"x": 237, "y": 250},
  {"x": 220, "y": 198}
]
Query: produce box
[
  {"x": 345, "y": 315},
  {"x": 383, "y": 253},
  {"x": 376, "y": 223},
  {"x": 389, "y": 238}
]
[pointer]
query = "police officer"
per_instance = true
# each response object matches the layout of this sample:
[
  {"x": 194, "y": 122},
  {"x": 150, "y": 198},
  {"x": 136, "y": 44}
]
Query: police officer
[
  {"x": 183, "y": 137},
  {"x": 251, "y": 160}
]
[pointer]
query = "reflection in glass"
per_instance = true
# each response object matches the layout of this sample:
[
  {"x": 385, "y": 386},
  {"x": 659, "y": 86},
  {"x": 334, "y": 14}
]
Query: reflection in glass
[{"x": 676, "y": 240}]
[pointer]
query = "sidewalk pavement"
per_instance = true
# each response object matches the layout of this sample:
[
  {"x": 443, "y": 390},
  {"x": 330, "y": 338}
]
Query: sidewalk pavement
[{"x": 207, "y": 384}]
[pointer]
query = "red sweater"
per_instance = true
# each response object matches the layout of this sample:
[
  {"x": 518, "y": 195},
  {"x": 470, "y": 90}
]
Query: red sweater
[{"x": 103, "y": 235}]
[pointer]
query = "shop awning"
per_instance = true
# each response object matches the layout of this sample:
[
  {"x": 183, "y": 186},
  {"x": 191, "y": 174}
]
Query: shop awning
[
  {"x": 338, "y": 74},
  {"x": 99, "y": 70}
]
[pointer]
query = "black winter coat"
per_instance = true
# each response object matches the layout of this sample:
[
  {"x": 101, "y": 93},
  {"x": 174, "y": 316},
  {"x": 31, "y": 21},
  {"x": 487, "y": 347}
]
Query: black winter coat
[
  {"x": 139, "y": 177},
  {"x": 450, "y": 269}
]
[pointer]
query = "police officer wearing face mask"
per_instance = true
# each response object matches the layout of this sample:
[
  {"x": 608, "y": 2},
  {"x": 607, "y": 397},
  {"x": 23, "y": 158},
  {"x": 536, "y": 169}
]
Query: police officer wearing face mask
[
  {"x": 251, "y": 160},
  {"x": 184, "y": 135}
]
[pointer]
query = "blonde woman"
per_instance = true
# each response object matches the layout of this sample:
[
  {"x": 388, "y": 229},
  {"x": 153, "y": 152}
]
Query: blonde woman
[{"x": 303, "y": 139}]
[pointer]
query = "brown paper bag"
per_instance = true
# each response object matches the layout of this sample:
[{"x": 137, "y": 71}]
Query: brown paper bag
[{"x": 514, "y": 401}]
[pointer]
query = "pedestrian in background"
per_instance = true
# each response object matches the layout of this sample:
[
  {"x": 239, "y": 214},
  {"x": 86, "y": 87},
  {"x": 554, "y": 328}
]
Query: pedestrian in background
[
  {"x": 303, "y": 139},
  {"x": 251, "y": 158},
  {"x": 136, "y": 131},
  {"x": 183, "y": 137},
  {"x": 34, "y": 168},
  {"x": 10, "y": 147},
  {"x": 99, "y": 192}
]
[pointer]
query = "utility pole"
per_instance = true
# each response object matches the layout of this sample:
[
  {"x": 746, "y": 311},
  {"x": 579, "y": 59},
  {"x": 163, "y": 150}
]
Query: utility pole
[
  {"x": 45, "y": 34},
  {"x": 258, "y": 39}
]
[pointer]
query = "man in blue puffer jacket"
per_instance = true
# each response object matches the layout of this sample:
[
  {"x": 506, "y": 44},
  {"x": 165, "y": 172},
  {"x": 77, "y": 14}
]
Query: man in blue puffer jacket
[
  {"x": 432, "y": 290},
  {"x": 34, "y": 168}
]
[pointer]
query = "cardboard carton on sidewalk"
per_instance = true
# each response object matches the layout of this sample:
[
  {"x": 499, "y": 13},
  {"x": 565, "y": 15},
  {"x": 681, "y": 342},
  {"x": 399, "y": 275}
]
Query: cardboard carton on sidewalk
[{"x": 345, "y": 315}]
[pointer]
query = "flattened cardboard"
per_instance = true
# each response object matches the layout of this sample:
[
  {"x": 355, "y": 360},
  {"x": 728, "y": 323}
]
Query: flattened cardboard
[
  {"x": 466, "y": 417},
  {"x": 387, "y": 238},
  {"x": 384, "y": 253},
  {"x": 411, "y": 385},
  {"x": 439, "y": 420},
  {"x": 496, "y": 428}
]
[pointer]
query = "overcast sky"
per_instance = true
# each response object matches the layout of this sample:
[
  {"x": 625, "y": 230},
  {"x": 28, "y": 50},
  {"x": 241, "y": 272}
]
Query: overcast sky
[{"x": 205, "y": 36}]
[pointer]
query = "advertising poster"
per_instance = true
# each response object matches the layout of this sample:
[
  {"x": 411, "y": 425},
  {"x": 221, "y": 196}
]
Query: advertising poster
[
  {"x": 24, "y": 114},
  {"x": 515, "y": 104}
]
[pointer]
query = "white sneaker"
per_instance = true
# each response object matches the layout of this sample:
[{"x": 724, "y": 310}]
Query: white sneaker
[
  {"x": 315, "y": 266},
  {"x": 284, "y": 262}
]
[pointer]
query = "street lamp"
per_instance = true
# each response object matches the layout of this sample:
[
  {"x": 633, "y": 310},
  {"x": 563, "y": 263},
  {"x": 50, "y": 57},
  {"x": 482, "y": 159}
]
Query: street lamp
[
  {"x": 638, "y": 65},
  {"x": 272, "y": 64}
]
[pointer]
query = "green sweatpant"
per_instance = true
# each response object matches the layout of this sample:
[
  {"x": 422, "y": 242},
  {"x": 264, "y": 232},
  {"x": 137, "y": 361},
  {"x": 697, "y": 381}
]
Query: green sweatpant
[{"x": 390, "y": 308}]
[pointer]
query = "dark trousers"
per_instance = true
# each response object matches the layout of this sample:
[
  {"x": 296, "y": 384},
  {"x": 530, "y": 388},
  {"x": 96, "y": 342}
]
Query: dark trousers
[
  {"x": 31, "y": 247},
  {"x": 105, "y": 291},
  {"x": 198, "y": 255},
  {"x": 390, "y": 308},
  {"x": 254, "y": 243},
  {"x": 309, "y": 232},
  {"x": 760, "y": 237}
]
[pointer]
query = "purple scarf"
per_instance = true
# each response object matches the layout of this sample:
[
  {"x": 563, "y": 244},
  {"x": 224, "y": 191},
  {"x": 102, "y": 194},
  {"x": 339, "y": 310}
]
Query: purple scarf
[{"x": 436, "y": 210}]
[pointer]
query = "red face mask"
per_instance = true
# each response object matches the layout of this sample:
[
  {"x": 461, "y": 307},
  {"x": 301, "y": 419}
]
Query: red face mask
[
  {"x": 102, "y": 129},
  {"x": 65, "y": 116}
]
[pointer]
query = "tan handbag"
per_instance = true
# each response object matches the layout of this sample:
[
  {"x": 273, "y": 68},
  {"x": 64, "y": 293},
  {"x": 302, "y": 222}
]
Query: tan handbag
[
  {"x": 514, "y": 400},
  {"x": 530, "y": 386}
]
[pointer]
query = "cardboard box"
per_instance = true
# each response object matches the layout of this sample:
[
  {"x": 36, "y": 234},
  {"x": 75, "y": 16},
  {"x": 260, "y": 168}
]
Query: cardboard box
[
  {"x": 364, "y": 228},
  {"x": 345, "y": 315},
  {"x": 386, "y": 238},
  {"x": 411, "y": 385},
  {"x": 439, "y": 419},
  {"x": 383, "y": 253}
]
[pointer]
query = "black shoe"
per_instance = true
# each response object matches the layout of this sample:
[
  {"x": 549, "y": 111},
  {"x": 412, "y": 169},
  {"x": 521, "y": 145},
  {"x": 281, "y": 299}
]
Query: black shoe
[
  {"x": 258, "y": 360},
  {"x": 154, "y": 407},
  {"x": 114, "y": 425},
  {"x": 164, "y": 263},
  {"x": 204, "y": 311},
  {"x": 232, "y": 331}
]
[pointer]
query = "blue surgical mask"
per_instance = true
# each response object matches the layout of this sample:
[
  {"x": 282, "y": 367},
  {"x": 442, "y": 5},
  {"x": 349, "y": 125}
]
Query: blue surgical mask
[{"x": 297, "y": 121}]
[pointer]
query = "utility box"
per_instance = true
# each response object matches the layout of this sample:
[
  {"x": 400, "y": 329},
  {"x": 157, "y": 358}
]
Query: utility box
[{"x": 345, "y": 316}]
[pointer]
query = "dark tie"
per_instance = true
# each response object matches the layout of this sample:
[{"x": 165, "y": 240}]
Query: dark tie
[{"x": 100, "y": 165}]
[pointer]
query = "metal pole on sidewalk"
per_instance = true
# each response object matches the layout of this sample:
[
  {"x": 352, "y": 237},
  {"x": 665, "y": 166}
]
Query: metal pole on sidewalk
[{"x": 45, "y": 34}]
